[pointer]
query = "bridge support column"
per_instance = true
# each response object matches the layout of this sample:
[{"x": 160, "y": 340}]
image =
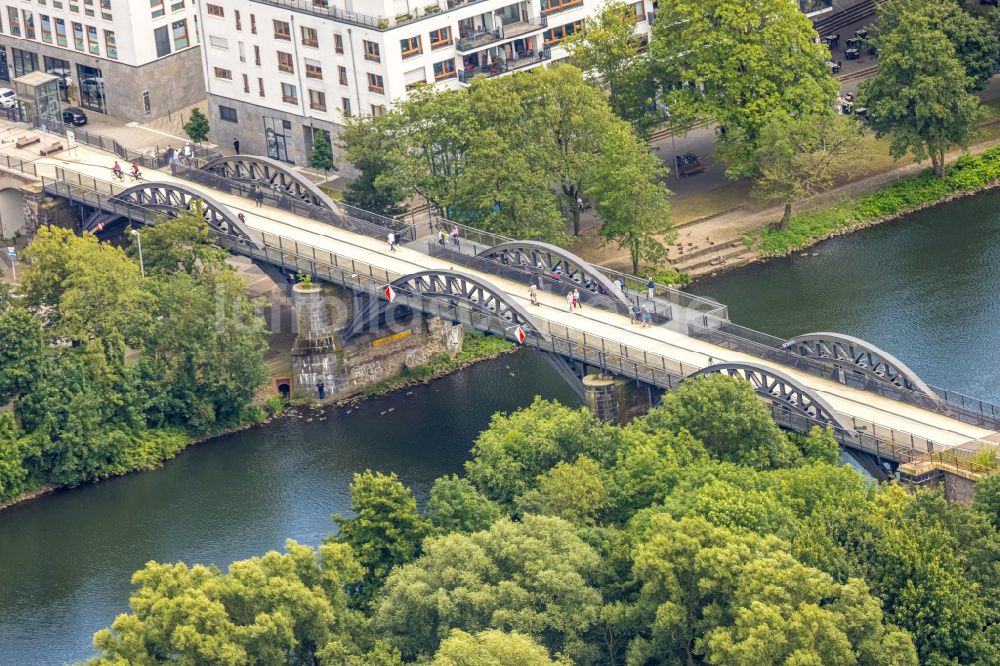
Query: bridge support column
[
  {"x": 319, "y": 354},
  {"x": 615, "y": 399}
]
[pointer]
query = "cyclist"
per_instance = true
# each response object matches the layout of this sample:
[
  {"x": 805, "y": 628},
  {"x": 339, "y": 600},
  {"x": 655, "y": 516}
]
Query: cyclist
[
  {"x": 135, "y": 171},
  {"x": 117, "y": 171}
]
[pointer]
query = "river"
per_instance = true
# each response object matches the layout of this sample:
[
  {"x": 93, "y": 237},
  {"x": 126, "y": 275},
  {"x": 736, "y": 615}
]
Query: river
[{"x": 926, "y": 289}]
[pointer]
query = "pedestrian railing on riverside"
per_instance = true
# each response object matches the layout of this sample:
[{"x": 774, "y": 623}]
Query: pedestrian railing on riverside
[
  {"x": 16, "y": 164},
  {"x": 725, "y": 333}
]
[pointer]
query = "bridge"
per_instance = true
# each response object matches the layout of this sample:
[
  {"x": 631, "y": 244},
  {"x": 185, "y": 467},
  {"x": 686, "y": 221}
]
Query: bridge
[{"x": 870, "y": 400}]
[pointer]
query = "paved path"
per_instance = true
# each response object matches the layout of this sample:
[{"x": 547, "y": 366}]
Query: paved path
[{"x": 942, "y": 430}]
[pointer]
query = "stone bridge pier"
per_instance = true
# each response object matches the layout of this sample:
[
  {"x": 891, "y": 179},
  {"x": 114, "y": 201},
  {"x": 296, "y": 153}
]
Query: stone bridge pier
[{"x": 320, "y": 354}]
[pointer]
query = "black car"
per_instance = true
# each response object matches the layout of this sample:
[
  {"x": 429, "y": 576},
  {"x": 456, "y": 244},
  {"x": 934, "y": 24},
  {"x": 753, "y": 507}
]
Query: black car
[{"x": 74, "y": 116}]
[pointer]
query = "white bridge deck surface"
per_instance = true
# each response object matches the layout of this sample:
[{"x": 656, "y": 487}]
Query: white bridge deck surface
[{"x": 942, "y": 430}]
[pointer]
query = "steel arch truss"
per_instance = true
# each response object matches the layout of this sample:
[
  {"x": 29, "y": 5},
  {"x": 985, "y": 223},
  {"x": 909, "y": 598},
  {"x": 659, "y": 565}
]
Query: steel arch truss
[
  {"x": 844, "y": 351},
  {"x": 552, "y": 259},
  {"x": 271, "y": 173},
  {"x": 780, "y": 389},
  {"x": 170, "y": 198},
  {"x": 455, "y": 288}
]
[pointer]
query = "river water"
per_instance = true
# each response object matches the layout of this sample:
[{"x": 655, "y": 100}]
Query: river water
[{"x": 926, "y": 289}]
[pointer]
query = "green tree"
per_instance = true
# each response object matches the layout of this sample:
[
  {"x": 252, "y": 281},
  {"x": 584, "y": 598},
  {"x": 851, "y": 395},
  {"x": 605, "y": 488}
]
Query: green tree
[
  {"x": 609, "y": 48},
  {"x": 974, "y": 38},
  {"x": 456, "y": 506},
  {"x": 533, "y": 577},
  {"x": 802, "y": 156},
  {"x": 386, "y": 529},
  {"x": 13, "y": 451},
  {"x": 197, "y": 126},
  {"x": 180, "y": 244},
  {"x": 22, "y": 351},
  {"x": 576, "y": 492},
  {"x": 737, "y": 62},
  {"x": 728, "y": 417},
  {"x": 631, "y": 200},
  {"x": 492, "y": 648},
  {"x": 321, "y": 156},
  {"x": 366, "y": 142},
  {"x": 920, "y": 94},
  {"x": 988, "y": 498},
  {"x": 285, "y": 608},
  {"x": 509, "y": 456}
]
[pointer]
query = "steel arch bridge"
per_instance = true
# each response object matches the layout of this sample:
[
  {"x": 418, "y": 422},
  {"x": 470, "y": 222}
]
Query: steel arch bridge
[
  {"x": 169, "y": 198},
  {"x": 448, "y": 286},
  {"x": 552, "y": 259},
  {"x": 780, "y": 389},
  {"x": 846, "y": 352},
  {"x": 276, "y": 175}
]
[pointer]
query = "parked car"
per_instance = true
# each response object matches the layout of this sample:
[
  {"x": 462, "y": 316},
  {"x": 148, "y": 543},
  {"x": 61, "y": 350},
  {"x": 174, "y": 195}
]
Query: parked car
[
  {"x": 8, "y": 99},
  {"x": 689, "y": 164},
  {"x": 74, "y": 116}
]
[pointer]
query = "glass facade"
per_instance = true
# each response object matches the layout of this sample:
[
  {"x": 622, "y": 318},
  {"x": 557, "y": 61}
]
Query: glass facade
[
  {"x": 277, "y": 133},
  {"x": 91, "y": 86}
]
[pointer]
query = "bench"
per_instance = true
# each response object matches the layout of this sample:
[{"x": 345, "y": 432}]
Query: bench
[
  {"x": 53, "y": 147},
  {"x": 27, "y": 141}
]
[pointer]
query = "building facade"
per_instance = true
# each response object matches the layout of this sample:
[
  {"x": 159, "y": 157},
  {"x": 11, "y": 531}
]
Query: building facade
[
  {"x": 136, "y": 59},
  {"x": 279, "y": 71}
]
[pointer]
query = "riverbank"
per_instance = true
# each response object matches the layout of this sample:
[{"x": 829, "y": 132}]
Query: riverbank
[
  {"x": 968, "y": 176},
  {"x": 476, "y": 348}
]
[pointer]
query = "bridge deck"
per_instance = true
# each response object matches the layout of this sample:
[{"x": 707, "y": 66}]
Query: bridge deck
[{"x": 940, "y": 429}]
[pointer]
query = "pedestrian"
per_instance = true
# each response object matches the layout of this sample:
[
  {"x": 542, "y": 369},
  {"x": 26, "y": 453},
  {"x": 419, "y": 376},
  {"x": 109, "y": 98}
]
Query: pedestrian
[
  {"x": 442, "y": 237},
  {"x": 242, "y": 217},
  {"x": 260, "y": 197},
  {"x": 635, "y": 313},
  {"x": 454, "y": 235},
  {"x": 576, "y": 298},
  {"x": 321, "y": 389},
  {"x": 569, "y": 299},
  {"x": 650, "y": 287},
  {"x": 171, "y": 155},
  {"x": 533, "y": 293},
  {"x": 646, "y": 317},
  {"x": 236, "y": 145},
  {"x": 618, "y": 285},
  {"x": 392, "y": 241}
]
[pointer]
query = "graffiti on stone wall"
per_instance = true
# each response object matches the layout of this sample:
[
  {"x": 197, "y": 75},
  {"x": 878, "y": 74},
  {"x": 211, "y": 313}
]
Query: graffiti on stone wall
[{"x": 366, "y": 373}]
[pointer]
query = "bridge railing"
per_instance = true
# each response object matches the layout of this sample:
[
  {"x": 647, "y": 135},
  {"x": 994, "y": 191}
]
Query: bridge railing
[
  {"x": 724, "y": 333},
  {"x": 12, "y": 163},
  {"x": 594, "y": 350}
]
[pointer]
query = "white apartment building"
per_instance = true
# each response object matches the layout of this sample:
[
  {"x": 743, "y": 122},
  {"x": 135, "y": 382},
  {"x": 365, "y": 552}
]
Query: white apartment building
[
  {"x": 136, "y": 59},
  {"x": 279, "y": 70}
]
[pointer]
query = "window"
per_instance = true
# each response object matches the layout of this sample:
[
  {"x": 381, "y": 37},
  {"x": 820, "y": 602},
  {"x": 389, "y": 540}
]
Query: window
[
  {"x": 309, "y": 37},
  {"x": 314, "y": 70},
  {"x": 239, "y": 23},
  {"x": 110, "y": 45},
  {"x": 444, "y": 70},
  {"x": 180, "y": 31},
  {"x": 46, "y": 29},
  {"x": 282, "y": 30},
  {"x": 227, "y": 113},
  {"x": 440, "y": 38},
  {"x": 215, "y": 10},
  {"x": 338, "y": 42},
  {"x": 317, "y": 100},
  {"x": 378, "y": 109},
  {"x": 246, "y": 84},
  {"x": 29, "y": 24},
  {"x": 289, "y": 94},
  {"x": 256, "y": 55},
  {"x": 223, "y": 74},
  {"x": 15, "y": 22},
  {"x": 345, "y": 106},
  {"x": 253, "y": 24},
  {"x": 375, "y": 84},
  {"x": 156, "y": 6},
  {"x": 78, "y": 36},
  {"x": 321, "y": 4},
  {"x": 285, "y": 62},
  {"x": 162, "y": 40},
  {"x": 217, "y": 42},
  {"x": 556, "y": 35},
  {"x": 372, "y": 51},
  {"x": 559, "y": 5},
  {"x": 639, "y": 10},
  {"x": 410, "y": 47},
  {"x": 61, "y": 32},
  {"x": 260, "y": 87},
  {"x": 93, "y": 45},
  {"x": 342, "y": 75}
]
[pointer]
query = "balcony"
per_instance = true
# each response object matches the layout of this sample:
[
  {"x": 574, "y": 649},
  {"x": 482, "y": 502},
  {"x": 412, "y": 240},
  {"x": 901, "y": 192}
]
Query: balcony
[
  {"x": 479, "y": 37},
  {"x": 498, "y": 67}
]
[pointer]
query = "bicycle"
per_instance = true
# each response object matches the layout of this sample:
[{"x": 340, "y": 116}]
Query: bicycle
[
  {"x": 117, "y": 174},
  {"x": 135, "y": 176}
]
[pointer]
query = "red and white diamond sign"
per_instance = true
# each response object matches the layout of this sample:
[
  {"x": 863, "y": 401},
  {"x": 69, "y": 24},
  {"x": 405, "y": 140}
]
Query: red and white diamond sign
[
  {"x": 519, "y": 335},
  {"x": 390, "y": 293}
]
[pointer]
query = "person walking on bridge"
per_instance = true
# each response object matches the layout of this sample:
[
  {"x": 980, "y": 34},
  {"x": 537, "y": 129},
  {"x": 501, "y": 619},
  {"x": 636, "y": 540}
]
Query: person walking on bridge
[
  {"x": 569, "y": 300},
  {"x": 392, "y": 242},
  {"x": 650, "y": 287},
  {"x": 533, "y": 293},
  {"x": 576, "y": 299}
]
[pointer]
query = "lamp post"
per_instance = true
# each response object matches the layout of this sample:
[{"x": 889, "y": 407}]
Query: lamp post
[
  {"x": 138, "y": 240},
  {"x": 673, "y": 142}
]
